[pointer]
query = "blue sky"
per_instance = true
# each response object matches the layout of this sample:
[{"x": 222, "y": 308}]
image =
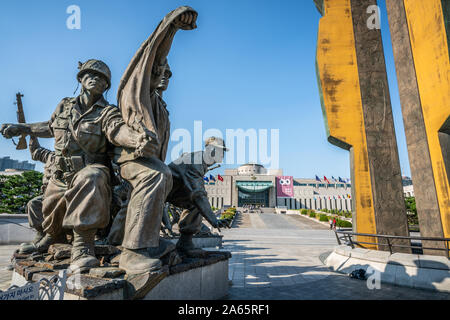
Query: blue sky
[{"x": 249, "y": 64}]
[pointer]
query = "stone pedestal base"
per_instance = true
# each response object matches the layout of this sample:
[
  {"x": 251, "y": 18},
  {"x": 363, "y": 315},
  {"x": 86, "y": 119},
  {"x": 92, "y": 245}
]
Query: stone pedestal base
[
  {"x": 407, "y": 270},
  {"x": 204, "y": 277},
  {"x": 203, "y": 242}
]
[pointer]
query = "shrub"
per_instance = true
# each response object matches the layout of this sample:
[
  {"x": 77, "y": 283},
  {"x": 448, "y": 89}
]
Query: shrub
[
  {"x": 304, "y": 211},
  {"x": 343, "y": 224},
  {"x": 312, "y": 214},
  {"x": 17, "y": 190},
  {"x": 228, "y": 215},
  {"x": 323, "y": 217}
]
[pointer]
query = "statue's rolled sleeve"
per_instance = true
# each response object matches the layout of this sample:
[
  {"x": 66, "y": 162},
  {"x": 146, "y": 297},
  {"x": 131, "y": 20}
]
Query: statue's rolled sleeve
[
  {"x": 42, "y": 155},
  {"x": 116, "y": 130}
]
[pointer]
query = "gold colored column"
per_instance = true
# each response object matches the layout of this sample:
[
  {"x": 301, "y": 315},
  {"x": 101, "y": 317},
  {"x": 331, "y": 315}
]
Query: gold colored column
[
  {"x": 421, "y": 51},
  {"x": 358, "y": 117}
]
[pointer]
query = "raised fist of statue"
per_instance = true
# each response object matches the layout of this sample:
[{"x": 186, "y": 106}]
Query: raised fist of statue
[
  {"x": 186, "y": 21},
  {"x": 9, "y": 130}
]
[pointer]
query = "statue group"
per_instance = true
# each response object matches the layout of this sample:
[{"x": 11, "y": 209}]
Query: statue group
[{"x": 106, "y": 177}]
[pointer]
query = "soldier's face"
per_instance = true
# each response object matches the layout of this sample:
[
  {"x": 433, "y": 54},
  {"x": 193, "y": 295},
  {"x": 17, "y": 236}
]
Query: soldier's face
[
  {"x": 213, "y": 155},
  {"x": 219, "y": 154},
  {"x": 94, "y": 83},
  {"x": 160, "y": 77},
  {"x": 164, "y": 80}
]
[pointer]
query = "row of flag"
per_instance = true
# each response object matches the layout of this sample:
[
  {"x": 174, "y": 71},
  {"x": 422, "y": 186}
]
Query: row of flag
[
  {"x": 212, "y": 178},
  {"x": 332, "y": 178}
]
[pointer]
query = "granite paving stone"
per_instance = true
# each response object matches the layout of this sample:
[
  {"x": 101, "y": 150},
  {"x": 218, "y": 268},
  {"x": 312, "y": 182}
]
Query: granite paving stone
[{"x": 278, "y": 257}]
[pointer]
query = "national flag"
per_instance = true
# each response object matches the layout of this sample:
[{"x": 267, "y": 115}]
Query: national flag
[
  {"x": 334, "y": 179},
  {"x": 325, "y": 178},
  {"x": 206, "y": 179},
  {"x": 219, "y": 177},
  {"x": 211, "y": 177},
  {"x": 317, "y": 179}
]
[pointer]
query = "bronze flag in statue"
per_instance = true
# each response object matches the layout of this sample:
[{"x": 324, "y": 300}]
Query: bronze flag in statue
[{"x": 135, "y": 86}]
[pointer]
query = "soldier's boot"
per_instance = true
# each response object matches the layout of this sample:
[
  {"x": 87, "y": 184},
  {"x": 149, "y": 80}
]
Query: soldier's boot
[
  {"x": 138, "y": 261},
  {"x": 39, "y": 235},
  {"x": 145, "y": 260},
  {"x": 83, "y": 251},
  {"x": 186, "y": 246},
  {"x": 40, "y": 246},
  {"x": 30, "y": 247}
]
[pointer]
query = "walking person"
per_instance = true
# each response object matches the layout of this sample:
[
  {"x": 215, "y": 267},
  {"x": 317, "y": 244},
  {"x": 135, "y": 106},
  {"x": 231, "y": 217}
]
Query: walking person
[
  {"x": 331, "y": 224},
  {"x": 334, "y": 224}
]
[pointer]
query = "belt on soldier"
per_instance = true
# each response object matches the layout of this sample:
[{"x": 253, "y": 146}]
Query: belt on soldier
[{"x": 74, "y": 164}]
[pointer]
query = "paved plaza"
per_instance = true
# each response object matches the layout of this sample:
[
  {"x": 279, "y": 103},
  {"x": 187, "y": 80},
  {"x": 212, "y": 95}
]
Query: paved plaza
[{"x": 280, "y": 257}]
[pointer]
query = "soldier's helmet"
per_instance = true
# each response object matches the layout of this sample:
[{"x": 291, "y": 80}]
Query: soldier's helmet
[
  {"x": 216, "y": 142},
  {"x": 96, "y": 66}
]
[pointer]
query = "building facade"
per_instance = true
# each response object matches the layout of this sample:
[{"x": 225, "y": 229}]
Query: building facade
[
  {"x": 252, "y": 184},
  {"x": 8, "y": 163}
]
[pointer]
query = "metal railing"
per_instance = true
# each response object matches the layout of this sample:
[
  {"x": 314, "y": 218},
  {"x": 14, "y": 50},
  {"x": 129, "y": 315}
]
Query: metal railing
[{"x": 389, "y": 241}]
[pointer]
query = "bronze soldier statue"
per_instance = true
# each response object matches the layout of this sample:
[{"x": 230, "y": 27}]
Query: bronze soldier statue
[
  {"x": 189, "y": 192},
  {"x": 78, "y": 194},
  {"x": 142, "y": 106}
]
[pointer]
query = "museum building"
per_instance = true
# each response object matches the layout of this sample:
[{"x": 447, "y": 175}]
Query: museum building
[{"x": 252, "y": 184}]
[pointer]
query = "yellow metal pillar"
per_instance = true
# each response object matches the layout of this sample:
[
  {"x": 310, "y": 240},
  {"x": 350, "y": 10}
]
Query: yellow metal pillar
[
  {"x": 356, "y": 107},
  {"x": 421, "y": 51}
]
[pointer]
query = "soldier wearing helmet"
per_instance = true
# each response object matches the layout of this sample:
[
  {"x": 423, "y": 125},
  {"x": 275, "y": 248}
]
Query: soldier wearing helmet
[
  {"x": 188, "y": 191},
  {"x": 85, "y": 128}
]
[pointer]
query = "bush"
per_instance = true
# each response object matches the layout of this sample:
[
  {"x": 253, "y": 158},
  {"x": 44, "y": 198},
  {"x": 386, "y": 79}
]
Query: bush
[
  {"x": 17, "y": 190},
  {"x": 312, "y": 214},
  {"x": 323, "y": 217},
  {"x": 304, "y": 211},
  {"x": 343, "y": 224},
  {"x": 229, "y": 213}
]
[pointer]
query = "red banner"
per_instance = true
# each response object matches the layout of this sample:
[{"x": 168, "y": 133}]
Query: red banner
[{"x": 285, "y": 186}]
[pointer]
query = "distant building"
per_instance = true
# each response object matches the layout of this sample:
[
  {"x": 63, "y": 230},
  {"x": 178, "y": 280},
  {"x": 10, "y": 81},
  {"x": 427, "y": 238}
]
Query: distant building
[
  {"x": 252, "y": 184},
  {"x": 408, "y": 189},
  {"x": 10, "y": 172},
  {"x": 8, "y": 163}
]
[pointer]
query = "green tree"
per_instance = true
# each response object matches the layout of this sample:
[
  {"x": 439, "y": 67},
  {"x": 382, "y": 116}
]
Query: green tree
[
  {"x": 411, "y": 210},
  {"x": 17, "y": 190}
]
